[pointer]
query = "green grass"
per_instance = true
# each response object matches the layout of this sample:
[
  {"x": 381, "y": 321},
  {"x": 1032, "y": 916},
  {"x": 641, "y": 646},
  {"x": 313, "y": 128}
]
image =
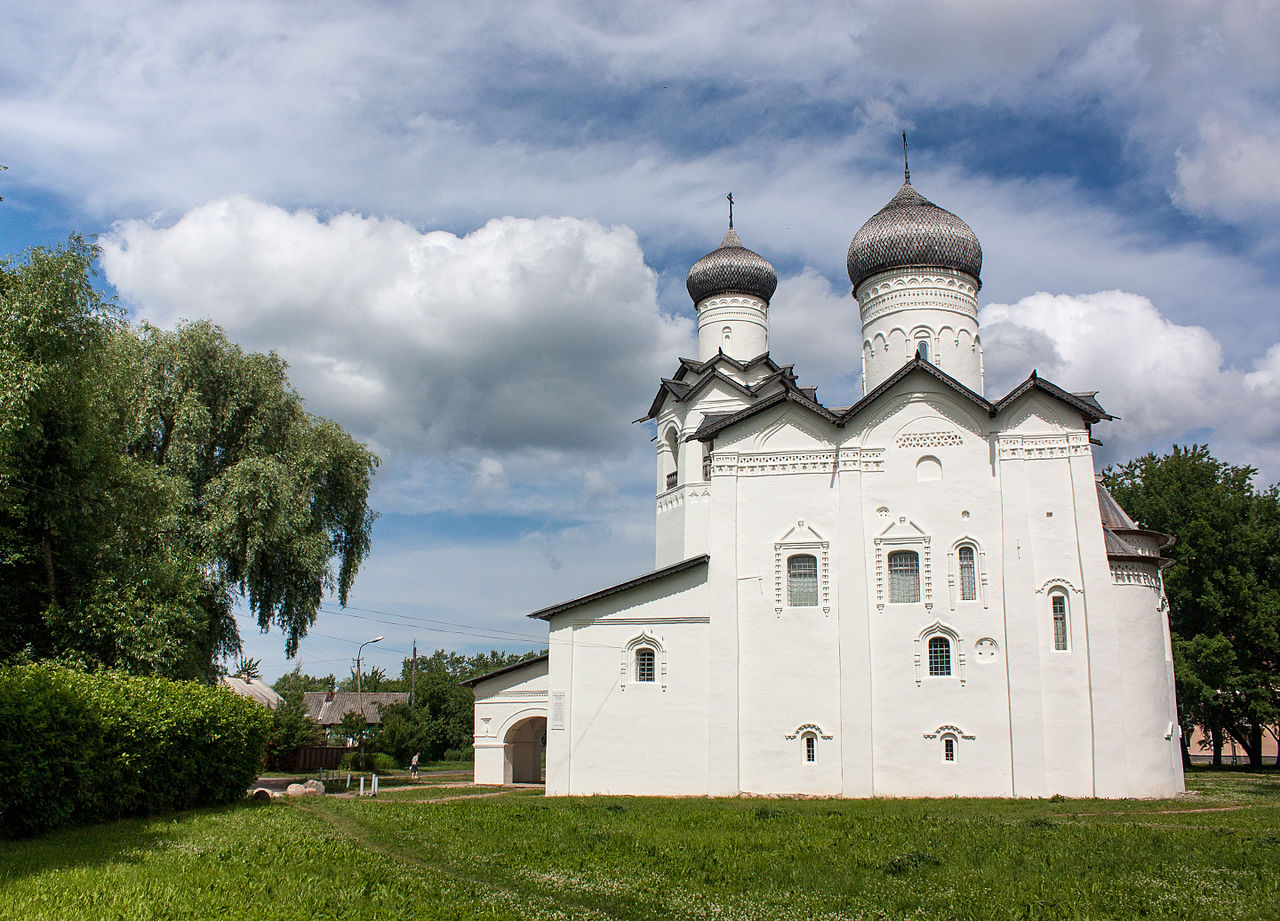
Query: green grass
[{"x": 519, "y": 855}]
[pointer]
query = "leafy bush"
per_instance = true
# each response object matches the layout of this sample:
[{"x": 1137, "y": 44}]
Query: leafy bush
[
  {"x": 378, "y": 762},
  {"x": 77, "y": 748}
]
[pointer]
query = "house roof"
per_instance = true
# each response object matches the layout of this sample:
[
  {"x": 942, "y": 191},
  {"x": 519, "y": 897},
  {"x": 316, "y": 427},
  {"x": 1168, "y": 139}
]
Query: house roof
[
  {"x": 328, "y": 707},
  {"x": 656, "y": 575},
  {"x": 1117, "y": 525},
  {"x": 1085, "y": 404},
  {"x": 513, "y": 667},
  {"x": 255, "y": 689}
]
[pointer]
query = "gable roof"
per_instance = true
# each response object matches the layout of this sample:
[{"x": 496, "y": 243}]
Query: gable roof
[
  {"x": 513, "y": 667},
  {"x": 656, "y": 575},
  {"x": 328, "y": 707},
  {"x": 1085, "y": 404},
  {"x": 677, "y": 387}
]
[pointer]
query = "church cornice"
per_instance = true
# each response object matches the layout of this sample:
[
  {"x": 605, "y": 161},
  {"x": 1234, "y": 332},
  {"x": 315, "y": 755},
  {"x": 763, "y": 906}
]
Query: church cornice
[
  {"x": 679, "y": 388},
  {"x": 1084, "y": 404}
]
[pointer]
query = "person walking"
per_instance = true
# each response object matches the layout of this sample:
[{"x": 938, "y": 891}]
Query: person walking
[{"x": 413, "y": 767}]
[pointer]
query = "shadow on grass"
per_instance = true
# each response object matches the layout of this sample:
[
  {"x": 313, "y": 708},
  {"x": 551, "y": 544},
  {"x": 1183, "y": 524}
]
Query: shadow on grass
[{"x": 121, "y": 841}]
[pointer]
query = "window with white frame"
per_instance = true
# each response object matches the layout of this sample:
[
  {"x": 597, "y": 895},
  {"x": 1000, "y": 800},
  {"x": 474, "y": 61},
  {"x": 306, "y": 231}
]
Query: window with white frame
[
  {"x": 949, "y": 748},
  {"x": 939, "y": 657},
  {"x": 967, "y": 560},
  {"x": 802, "y": 580},
  {"x": 645, "y": 664},
  {"x": 1058, "y": 606},
  {"x": 904, "y": 577},
  {"x": 810, "y": 747}
]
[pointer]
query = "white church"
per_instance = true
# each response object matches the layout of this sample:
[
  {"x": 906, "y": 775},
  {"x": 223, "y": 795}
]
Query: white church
[{"x": 926, "y": 593}]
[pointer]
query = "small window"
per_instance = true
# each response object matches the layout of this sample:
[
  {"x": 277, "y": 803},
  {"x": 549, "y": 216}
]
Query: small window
[
  {"x": 904, "y": 577},
  {"x": 949, "y": 749},
  {"x": 1059, "y": 605},
  {"x": 802, "y": 581},
  {"x": 968, "y": 574},
  {"x": 939, "y": 657},
  {"x": 810, "y": 748},
  {"x": 922, "y": 348},
  {"x": 644, "y": 664}
]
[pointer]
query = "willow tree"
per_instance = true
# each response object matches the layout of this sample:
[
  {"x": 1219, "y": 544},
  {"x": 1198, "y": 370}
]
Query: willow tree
[{"x": 150, "y": 479}]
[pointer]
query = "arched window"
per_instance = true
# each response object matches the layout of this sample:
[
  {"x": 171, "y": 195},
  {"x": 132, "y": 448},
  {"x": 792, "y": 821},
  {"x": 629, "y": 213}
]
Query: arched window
[
  {"x": 671, "y": 458},
  {"x": 949, "y": 748},
  {"x": 922, "y": 348},
  {"x": 645, "y": 670},
  {"x": 1058, "y": 605},
  {"x": 810, "y": 748},
  {"x": 802, "y": 580},
  {"x": 726, "y": 338},
  {"x": 968, "y": 574},
  {"x": 939, "y": 657},
  {"x": 904, "y": 577}
]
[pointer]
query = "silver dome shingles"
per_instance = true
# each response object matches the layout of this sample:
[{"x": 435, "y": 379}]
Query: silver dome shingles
[
  {"x": 732, "y": 268},
  {"x": 911, "y": 230}
]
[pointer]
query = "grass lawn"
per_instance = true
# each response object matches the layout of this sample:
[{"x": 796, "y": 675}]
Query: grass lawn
[{"x": 518, "y": 855}]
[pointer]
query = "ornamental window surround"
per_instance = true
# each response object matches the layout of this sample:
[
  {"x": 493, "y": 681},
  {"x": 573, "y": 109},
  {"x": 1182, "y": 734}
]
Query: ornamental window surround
[
  {"x": 903, "y": 573},
  {"x": 939, "y": 654},
  {"x": 967, "y": 572},
  {"x": 802, "y": 571},
  {"x": 643, "y": 663}
]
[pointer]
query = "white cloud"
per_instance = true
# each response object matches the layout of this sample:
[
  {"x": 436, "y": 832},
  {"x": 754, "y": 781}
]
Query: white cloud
[
  {"x": 1166, "y": 381},
  {"x": 495, "y": 357},
  {"x": 1232, "y": 172}
]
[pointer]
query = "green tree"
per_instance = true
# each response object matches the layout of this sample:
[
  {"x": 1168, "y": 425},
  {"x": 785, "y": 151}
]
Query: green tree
[
  {"x": 1224, "y": 591},
  {"x": 149, "y": 479},
  {"x": 291, "y": 729},
  {"x": 297, "y": 681},
  {"x": 352, "y": 726}
]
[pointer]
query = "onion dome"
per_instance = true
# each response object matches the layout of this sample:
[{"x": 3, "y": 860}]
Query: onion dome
[
  {"x": 731, "y": 269},
  {"x": 910, "y": 231}
]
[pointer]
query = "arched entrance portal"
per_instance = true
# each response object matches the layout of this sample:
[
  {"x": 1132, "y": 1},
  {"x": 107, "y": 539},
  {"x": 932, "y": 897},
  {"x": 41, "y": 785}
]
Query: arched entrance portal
[{"x": 523, "y": 749}]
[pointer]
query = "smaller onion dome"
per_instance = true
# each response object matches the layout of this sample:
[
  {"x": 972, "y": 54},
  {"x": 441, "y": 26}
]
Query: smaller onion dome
[
  {"x": 731, "y": 269},
  {"x": 911, "y": 230}
]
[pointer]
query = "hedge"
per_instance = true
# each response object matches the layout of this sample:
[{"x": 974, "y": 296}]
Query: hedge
[{"x": 77, "y": 748}]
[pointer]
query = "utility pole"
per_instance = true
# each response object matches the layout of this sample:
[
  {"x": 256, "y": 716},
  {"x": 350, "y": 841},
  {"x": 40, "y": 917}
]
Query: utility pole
[
  {"x": 413, "y": 681},
  {"x": 360, "y": 692}
]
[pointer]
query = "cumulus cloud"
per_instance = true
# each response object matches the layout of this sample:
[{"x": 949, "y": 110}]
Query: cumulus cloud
[
  {"x": 1165, "y": 380},
  {"x": 517, "y": 347},
  {"x": 1231, "y": 172}
]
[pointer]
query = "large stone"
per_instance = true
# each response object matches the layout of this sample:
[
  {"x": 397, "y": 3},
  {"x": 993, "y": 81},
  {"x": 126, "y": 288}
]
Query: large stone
[
  {"x": 296, "y": 789},
  {"x": 314, "y": 786}
]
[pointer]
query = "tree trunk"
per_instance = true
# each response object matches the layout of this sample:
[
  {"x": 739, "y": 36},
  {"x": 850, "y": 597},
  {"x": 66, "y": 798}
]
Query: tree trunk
[
  {"x": 1255, "y": 745},
  {"x": 1185, "y": 744},
  {"x": 1216, "y": 735},
  {"x": 46, "y": 547}
]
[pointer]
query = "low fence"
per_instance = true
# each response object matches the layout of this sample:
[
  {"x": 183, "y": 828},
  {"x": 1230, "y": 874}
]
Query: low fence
[{"x": 314, "y": 758}]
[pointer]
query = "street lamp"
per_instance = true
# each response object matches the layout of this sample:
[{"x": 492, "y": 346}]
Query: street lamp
[{"x": 360, "y": 692}]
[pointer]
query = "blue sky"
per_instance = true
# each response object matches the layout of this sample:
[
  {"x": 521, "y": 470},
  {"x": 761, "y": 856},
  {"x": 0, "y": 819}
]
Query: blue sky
[{"x": 467, "y": 229}]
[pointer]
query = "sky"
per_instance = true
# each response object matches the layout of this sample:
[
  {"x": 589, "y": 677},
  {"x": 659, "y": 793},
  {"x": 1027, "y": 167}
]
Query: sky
[{"x": 467, "y": 226}]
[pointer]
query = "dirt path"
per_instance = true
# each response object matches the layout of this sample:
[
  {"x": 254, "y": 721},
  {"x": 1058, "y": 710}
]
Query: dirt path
[
  {"x": 519, "y": 895},
  {"x": 1163, "y": 811}
]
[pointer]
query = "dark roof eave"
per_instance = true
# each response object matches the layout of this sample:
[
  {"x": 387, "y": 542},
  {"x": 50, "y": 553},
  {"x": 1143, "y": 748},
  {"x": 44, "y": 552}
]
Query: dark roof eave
[
  {"x": 514, "y": 666},
  {"x": 656, "y": 575}
]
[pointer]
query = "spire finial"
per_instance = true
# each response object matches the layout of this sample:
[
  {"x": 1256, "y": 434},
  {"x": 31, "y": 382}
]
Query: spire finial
[
  {"x": 730, "y": 197},
  {"x": 906, "y": 170}
]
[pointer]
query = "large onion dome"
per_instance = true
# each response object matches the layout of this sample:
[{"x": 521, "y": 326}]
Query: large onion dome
[
  {"x": 731, "y": 269},
  {"x": 910, "y": 231}
]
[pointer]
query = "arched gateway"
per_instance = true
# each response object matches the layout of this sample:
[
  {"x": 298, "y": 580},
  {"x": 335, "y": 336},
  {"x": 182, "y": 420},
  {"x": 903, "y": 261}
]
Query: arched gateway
[{"x": 511, "y": 722}]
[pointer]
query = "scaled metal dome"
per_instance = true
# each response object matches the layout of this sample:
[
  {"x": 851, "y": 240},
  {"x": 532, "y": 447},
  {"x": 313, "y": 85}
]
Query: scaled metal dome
[
  {"x": 731, "y": 269},
  {"x": 911, "y": 230}
]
